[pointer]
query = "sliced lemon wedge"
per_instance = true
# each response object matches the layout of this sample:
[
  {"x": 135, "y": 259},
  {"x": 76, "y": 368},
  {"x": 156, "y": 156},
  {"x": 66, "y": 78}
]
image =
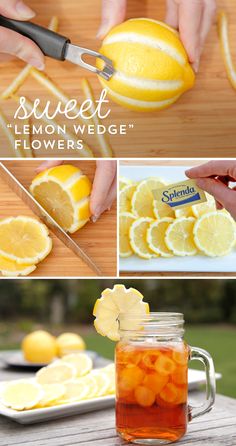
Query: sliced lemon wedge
[{"x": 112, "y": 303}]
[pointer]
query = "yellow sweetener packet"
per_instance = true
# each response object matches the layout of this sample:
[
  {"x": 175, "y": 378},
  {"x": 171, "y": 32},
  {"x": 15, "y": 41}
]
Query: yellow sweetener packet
[{"x": 179, "y": 195}]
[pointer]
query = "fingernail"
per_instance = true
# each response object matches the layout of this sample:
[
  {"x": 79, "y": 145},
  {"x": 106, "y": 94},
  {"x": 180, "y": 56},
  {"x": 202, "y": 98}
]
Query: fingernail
[
  {"x": 103, "y": 30},
  {"x": 196, "y": 65},
  {"x": 200, "y": 183},
  {"x": 37, "y": 64},
  {"x": 94, "y": 218},
  {"x": 24, "y": 11}
]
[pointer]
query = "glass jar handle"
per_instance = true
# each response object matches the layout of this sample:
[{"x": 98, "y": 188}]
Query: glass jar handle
[{"x": 203, "y": 356}]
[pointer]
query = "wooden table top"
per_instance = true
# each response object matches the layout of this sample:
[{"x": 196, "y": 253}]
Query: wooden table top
[
  {"x": 200, "y": 124},
  {"x": 97, "y": 239},
  {"x": 216, "y": 428}
]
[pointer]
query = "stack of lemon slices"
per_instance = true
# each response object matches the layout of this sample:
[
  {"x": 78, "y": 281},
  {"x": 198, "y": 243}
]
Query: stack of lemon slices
[
  {"x": 24, "y": 242},
  {"x": 151, "y": 229},
  {"x": 64, "y": 191},
  {"x": 67, "y": 380}
]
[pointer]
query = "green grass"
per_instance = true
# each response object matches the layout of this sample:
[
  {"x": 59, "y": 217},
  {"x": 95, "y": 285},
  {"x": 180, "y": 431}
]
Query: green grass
[{"x": 219, "y": 341}]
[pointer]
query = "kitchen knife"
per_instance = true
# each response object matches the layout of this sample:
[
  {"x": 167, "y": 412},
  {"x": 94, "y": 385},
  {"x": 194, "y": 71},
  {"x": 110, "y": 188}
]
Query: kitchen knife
[
  {"x": 29, "y": 200},
  {"x": 57, "y": 46}
]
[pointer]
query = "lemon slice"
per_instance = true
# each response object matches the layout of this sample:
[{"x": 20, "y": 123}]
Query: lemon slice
[
  {"x": 179, "y": 237},
  {"x": 138, "y": 238},
  {"x": 125, "y": 221},
  {"x": 204, "y": 208},
  {"x": 56, "y": 373},
  {"x": 21, "y": 395},
  {"x": 91, "y": 384},
  {"x": 103, "y": 382},
  {"x": 184, "y": 212},
  {"x": 142, "y": 200},
  {"x": 125, "y": 197},
  {"x": 215, "y": 234},
  {"x": 81, "y": 361},
  {"x": 10, "y": 268},
  {"x": 52, "y": 393},
  {"x": 112, "y": 303},
  {"x": 64, "y": 192},
  {"x": 75, "y": 390},
  {"x": 24, "y": 240},
  {"x": 156, "y": 237},
  {"x": 124, "y": 182},
  {"x": 162, "y": 210}
]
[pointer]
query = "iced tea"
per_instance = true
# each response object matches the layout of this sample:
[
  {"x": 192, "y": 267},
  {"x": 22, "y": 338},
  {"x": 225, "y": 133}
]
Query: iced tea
[{"x": 152, "y": 388}]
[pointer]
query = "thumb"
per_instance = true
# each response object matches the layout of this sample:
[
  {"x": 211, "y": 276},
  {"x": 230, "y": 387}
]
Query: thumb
[
  {"x": 222, "y": 194},
  {"x": 21, "y": 47},
  {"x": 16, "y": 9},
  {"x": 47, "y": 165},
  {"x": 113, "y": 13}
]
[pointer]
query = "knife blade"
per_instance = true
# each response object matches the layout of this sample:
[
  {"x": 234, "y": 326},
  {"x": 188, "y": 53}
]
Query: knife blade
[{"x": 38, "y": 210}]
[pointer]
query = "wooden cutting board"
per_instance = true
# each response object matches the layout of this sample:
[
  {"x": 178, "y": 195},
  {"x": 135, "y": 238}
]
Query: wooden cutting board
[
  {"x": 97, "y": 239},
  {"x": 200, "y": 124}
]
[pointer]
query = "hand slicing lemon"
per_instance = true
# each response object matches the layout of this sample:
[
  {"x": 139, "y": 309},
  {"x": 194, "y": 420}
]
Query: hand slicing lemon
[
  {"x": 151, "y": 65},
  {"x": 64, "y": 192},
  {"x": 112, "y": 303}
]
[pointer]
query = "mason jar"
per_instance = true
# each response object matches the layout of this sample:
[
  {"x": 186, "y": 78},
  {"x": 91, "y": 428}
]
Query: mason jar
[{"x": 152, "y": 379}]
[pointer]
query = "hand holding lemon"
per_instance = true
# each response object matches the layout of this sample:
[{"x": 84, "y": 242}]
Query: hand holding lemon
[
  {"x": 192, "y": 18},
  {"x": 103, "y": 191}
]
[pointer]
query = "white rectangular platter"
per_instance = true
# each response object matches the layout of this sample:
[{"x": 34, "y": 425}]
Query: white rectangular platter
[
  {"x": 53, "y": 413},
  {"x": 195, "y": 378},
  {"x": 198, "y": 263}
]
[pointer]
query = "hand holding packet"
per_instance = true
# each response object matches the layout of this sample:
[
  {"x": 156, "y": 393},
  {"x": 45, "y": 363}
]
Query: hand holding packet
[{"x": 182, "y": 194}]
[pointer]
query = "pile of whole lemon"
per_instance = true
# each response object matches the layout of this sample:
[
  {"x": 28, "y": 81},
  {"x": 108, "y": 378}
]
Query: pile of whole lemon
[
  {"x": 150, "y": 229},
  {"x": 40, "y": 347}
]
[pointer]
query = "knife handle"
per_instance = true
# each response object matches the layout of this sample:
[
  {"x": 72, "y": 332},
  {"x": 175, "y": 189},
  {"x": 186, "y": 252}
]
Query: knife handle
[{"x": 51, "y": 44}]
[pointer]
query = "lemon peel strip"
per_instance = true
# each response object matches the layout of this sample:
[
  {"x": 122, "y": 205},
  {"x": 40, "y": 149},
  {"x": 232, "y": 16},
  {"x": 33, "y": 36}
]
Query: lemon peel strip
[
  {"x": 164, "y": 25},
  {"x": 225, "y": 47},
  {"x": 129, "y": 37},
  {"x": 141, "y": 104},
  {"x": 148, "y": 84}
]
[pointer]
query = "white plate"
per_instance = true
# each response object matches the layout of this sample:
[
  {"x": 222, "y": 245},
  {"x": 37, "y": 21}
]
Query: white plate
[
  {"x": 198, "y": 263},
  {"x": 195, "y": 378},
  {"x": 53, "y": 413},
  {"x": 15, "y": 358}
]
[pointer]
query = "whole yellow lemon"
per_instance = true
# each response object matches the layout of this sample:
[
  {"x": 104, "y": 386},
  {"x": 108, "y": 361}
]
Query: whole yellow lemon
[
  {"x": 69, "y": 343},
  {"x": 39, "y": 347},
  {"x": 151, "y": 65}
]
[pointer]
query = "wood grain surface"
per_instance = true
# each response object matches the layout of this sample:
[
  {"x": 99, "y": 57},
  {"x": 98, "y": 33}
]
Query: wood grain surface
[
  {"x": 200, "y": 124},
  {"x": 97, "y": 239},
  {"x": 172, "y": 162}
]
